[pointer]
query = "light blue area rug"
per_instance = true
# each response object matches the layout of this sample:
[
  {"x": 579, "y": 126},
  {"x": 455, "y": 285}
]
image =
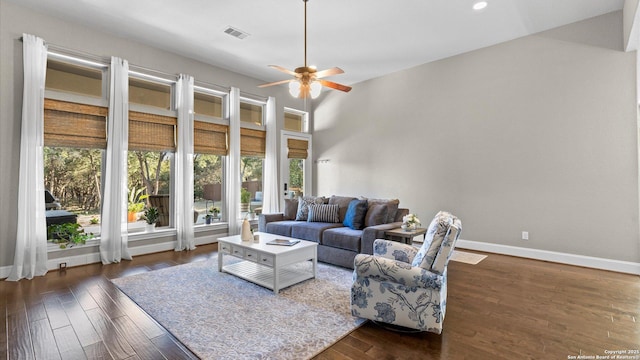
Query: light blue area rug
[{"x": 219, "y": 316}]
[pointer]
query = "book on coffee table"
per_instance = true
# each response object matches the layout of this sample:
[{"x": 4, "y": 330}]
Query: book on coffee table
[{"x": 283, "y": 242}]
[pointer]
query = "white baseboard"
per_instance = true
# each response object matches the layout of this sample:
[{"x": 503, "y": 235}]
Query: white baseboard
[
  {"x": 545, "y": 255},
  {"x": 94, "y": 257},
  {"x": 552, "y": 256}
]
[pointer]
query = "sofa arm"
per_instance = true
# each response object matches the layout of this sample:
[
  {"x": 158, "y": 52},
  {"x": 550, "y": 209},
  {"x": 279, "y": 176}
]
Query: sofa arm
[
  {"x": 398, "y": 272},
  {"x": 394, "y": 250},
  {"x": 371, "y": 233},
  {"x": 264, "y": 219}
]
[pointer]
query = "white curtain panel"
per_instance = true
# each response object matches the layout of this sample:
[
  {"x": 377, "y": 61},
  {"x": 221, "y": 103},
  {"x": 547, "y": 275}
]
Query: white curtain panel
[
  {"x": 113, "y": 236},
  {"x": 271, "y": 200},
  {"x": 31, "y": 239},
  {"x": 233, "y": 181},
  {"x": 184, "y": 165}
]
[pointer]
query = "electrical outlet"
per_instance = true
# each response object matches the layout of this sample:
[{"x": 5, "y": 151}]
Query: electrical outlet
[{"x": 525, "y": 235}]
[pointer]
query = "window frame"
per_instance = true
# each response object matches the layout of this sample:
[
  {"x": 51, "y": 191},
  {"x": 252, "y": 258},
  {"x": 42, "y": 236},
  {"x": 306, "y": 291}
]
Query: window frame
[
  {"x": 154, "y": 110},
  {"x": 103, "y": 101},
  {"x": 213, "y": 90}
]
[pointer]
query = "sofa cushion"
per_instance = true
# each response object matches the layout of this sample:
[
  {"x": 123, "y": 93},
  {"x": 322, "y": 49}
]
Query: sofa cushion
[
  {"x": 342, "y": 202},
  {"x": 376, "y": 215},
  {"x": 324, "y": 213},
  {"x": 311, "y": 231},
  {"x": 354, "y": 218},
  {"x": 290, "y": 209},
  {"x": 392, "y": 205},
  {"x": 342, "y": 238},
  {"x": 280, "y": 227},
  {"x": 303, "y": 206}
]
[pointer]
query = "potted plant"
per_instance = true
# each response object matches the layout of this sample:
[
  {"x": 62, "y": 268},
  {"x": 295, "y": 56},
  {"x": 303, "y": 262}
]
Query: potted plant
[
  {"x": 135, "y": 204},
  {"x": 245, "y": 199},
  {"x": 151, "y": 216},
  {"x": 215, "y": 212},
  {"x": 67, "y": 234}
]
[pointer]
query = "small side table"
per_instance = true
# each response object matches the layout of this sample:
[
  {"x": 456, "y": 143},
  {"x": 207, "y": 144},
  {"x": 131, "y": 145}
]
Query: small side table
[{"x": 404, "y": 236}]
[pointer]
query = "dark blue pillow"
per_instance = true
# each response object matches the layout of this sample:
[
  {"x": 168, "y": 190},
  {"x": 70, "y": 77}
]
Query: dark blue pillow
[{"x": 355, "y": 214}]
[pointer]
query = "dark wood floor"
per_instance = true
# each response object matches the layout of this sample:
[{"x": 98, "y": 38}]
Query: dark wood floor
[{"x": 502, "y": 308}]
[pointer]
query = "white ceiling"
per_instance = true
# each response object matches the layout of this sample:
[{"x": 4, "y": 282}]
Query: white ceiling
[{"x": 366, "y": 38}]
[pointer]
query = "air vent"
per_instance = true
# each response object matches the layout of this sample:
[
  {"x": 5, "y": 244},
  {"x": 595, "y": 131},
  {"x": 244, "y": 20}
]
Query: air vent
[{"x": 236, "y": 32}]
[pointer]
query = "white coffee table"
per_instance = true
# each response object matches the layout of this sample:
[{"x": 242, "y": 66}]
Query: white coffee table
[{"x": 267, "y": 265}]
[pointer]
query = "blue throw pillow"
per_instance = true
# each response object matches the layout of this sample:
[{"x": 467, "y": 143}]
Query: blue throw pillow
[{"x": 355, "y": 214}]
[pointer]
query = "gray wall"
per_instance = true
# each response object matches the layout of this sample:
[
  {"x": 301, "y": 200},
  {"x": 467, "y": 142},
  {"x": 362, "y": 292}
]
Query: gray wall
[
  {"x": 538, "y": 134},
  {"x": 16, "y": 20}
]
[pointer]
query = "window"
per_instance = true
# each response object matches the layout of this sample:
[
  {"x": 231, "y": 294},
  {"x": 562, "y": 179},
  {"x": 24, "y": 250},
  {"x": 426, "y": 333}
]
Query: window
[
  {"x": 144, "y": 92},
  {"x": 252, "y": 153},
  {"x": 208, "y": 177},
  {"x": 295, "y": 120},
  {"x": 251, "y": 113},
  {"x": 75, "y": 139},
  {"x": 152, "y": 144},
  {"x": 251, "y": 175},
  {"x": 208, "y": 105},
  {"x": 71, "y": 78},
  {"x": 211, "y": 146},
  {"x": 296, "y": 167}
]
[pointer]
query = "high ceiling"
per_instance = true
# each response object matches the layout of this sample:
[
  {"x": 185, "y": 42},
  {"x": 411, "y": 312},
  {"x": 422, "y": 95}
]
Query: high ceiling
[{"x": 366, "y": 38}]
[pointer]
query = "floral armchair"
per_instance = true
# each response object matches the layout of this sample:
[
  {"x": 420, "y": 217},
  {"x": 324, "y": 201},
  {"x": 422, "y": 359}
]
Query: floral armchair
[{"x": 402, "y": 285}]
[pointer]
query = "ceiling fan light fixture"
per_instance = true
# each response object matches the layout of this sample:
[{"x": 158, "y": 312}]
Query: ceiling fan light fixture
[
  {"x": 306, "y": 81},
  {"x": 316, "y": 87},
  {"x": 294, "y": 88}
]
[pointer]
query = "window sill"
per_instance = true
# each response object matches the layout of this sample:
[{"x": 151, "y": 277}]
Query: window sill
[
  {"x": 214, "y": 226},
  {"x": 132, "y": 237},
  {"x": 52, "y": 247}
]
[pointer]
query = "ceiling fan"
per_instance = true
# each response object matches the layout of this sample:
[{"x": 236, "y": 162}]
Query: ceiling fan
[{"x": 307, "y": 80}]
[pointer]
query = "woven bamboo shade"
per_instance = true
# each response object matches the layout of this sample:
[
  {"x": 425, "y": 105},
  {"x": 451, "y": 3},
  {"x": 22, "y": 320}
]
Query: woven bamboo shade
[
  {"x": 70, "y": 124},
  {"x": 297, "y": 149},
  {"x": 150, "y": 132},
  {"x": 210, "y": 138},
  {"x": 253, "y": 142}
]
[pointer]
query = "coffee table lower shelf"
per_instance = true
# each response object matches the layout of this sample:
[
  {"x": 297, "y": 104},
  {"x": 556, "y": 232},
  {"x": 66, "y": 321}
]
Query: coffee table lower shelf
[{"x": 265, "y": 276}]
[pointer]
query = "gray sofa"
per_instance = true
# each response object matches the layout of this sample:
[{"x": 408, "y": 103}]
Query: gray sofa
[{"x": 337, "y": 244}]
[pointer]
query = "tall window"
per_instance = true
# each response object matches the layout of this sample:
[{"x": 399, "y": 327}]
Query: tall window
[
  {"x": 152, "y": 144},
  {"x": 74, "y": 138},
  {"x": 210, "y": 132},
  {"x": 252, "y": 153}
]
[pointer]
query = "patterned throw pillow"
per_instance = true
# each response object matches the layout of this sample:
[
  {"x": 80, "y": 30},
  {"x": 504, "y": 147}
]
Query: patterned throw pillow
[
  {"x": 441, "y": 232},
  {"x": 324, "y": 213},
  {"x": 303, "y": 206},
  {"x": 354, "y": 218}
]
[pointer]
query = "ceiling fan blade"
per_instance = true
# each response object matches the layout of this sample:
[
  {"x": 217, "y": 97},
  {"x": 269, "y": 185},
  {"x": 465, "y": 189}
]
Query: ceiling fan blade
[
  {"x": 284, "y": 70},
  {"x": 329, "y": 72},
  {"x": 276, "y": 83},
  {"x": 331, "y": 84}
]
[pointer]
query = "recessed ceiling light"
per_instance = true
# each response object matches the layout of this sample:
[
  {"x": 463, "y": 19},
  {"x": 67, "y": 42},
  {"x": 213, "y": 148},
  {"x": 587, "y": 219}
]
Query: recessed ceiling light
[{"x": 480, "y": 5}]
